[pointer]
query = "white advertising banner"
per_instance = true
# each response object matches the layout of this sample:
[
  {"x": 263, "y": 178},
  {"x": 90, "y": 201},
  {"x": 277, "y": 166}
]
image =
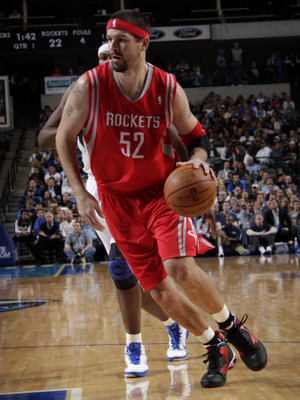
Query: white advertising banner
[
  {"x": 58, "y": 84},
  {"x": 180, "y": 33}
]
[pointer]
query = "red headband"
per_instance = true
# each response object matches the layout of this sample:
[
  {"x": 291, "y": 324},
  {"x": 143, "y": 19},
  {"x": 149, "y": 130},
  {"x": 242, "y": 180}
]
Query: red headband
[{"x": 127, "y": 26}]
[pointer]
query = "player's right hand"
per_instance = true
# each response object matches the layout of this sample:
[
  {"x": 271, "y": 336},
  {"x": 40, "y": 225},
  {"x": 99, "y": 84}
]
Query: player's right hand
[{"x": 89, "y": 209}]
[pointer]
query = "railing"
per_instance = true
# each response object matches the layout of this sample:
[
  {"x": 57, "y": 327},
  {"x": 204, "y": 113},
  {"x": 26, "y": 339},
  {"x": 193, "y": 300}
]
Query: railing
[{"x": 11, "y": 176}]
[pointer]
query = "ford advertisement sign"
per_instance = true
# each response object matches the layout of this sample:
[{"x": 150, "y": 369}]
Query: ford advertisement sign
[{"x": 180, "y": 33}]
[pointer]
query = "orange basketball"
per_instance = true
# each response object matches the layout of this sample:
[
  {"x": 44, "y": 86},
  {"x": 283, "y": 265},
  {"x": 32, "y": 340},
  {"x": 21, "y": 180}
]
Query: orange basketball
[{"x": 189, "y": 192}]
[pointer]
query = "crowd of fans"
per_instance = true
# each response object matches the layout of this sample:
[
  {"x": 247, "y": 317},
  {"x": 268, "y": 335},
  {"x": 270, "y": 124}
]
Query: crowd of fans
[{"x": 254, "y": 153}]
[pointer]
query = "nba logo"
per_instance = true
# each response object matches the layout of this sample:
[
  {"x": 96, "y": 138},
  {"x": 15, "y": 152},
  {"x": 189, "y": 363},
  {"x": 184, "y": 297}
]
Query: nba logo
[
  {"x": 159, "y": 99},
  {"x": 114, "y": 23}
]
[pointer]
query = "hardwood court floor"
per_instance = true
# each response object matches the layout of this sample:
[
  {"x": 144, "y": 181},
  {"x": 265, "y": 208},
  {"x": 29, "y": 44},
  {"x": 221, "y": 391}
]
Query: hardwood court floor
[{"x": 63, "y": 336}]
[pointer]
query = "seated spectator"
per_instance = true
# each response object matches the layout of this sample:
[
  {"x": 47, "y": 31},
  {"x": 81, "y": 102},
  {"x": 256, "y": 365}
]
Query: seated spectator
[
  {"x": 263, "y": 156},
  {"x": 252, "y": 167},
  {"x": 223, "y": 173},
  {"x": 52, "y": 173},
  {"x": 38, "y": 220},
  {"x": 29, "y": 207},
  {"x": 293, "y": 214},
  {"x": 49, "y": 238},
  {"x": 79, "y": 245},
  {"x": 36, "y": 154},
  {"x": 254, "y": 192},
  {"x": 55, "y": 161},
  {"x": 23, "y": 226},
  {"x": 261, "y": 236},
  {"x": 230, "y": 239},
  {"x": 270, "y": 187},
  {"x": 236, "y": 182},
  {"x": 221, "y": 217},
  {"x": 66, "y": 188},
  {"x": 55, "y": 190},
  {"x": 91, "y": 230},
  {"x": 60, "y": 216},
  {"x": 66, "y": 226},
  {"x": 263, "y": 181},
  {"x": 280, "y": 220},
  {"x": 236, "y": 211},
  {"x": 247, "y": 218},
  {"x": 48, "y": 200}
]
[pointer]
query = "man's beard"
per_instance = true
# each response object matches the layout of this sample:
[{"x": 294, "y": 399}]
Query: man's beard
[{"x": 120, "y": 67}]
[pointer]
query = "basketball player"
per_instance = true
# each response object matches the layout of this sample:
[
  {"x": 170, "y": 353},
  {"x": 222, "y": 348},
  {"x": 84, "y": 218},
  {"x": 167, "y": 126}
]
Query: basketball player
[
  {"x": 129, "y": 293},
  {"x": 128, "y": 142}
]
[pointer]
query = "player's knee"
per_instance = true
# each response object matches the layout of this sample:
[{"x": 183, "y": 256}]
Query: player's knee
[
  {"x": 181, "y": 271},
  {"x": 122, "y": 274}
]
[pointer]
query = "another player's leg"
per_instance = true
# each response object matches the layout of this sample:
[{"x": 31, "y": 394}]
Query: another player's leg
[
  {"x": 178, "y": 335},
  {"x": 131, "y": 298}
]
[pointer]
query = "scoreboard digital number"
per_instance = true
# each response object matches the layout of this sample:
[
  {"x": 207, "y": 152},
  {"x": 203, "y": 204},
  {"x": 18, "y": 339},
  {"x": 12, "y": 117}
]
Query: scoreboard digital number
[{"x": 48, "y": 39}]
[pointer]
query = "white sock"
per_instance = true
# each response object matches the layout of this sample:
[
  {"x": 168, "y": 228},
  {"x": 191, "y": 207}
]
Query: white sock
[
  {"x": 221, "y": 251},
  {"x": 206, "y": 336},
  {"x": 137, "y": 338},
  {"x": 269, "y": 248},
  {"x": 169, "y": 322},
  {"x": 261, "y": 250},
  {"x": 221, "y": 316}
]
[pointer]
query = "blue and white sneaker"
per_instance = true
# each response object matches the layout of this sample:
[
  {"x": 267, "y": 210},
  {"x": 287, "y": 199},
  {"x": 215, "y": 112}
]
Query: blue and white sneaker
[
  {"x": 177, "y": 342},
  {"x": 136, "y": 360}
]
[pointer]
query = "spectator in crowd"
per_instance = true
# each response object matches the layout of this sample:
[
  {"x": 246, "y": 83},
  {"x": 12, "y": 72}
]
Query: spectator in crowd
[
  {"x": 236, "y": 66},
  {"x": 183, "y": 72},
  {"x": 223, "y": 173},
  {"x": 230, "y": 239},
  {"x": 263, "y": 181},
  {"x": 66, "y": 201},
  {"x": 197, "y": 76},
  {"x": 15, "y": 14},
  {"x": 23, "y": 227},
  {"x": 30, "y": 194},
  {"x": 54, "y": 160},
  {"x": 49, "y": 238},
  {"x": 60, "y": 215},
  {"x": 293, "y": 214},
  {"x": 79, "y": 245},
  {"x": 48, "y": 200},
  {"x": 29, "y": 207},
  {"x": 254, "y": 192},
  {"x": 66, "y": 188},
  {"x": 263, "y": 156},
  {"x": 261, "y": 236},
  {"x": 66, "y": 226},
  {"x": 54, "y": 189},
  {"x": 236, "y": 211},
  {"x": 221, "y": 217},
  {"x": 221, "y": 68},
  {"x": 237, "y": 182},
  {"x": 247, "y": 219},
  {"x": 36, "y": 153},
  {"x": 52, "y": 173},
  {"x": 280, "y": 220}
]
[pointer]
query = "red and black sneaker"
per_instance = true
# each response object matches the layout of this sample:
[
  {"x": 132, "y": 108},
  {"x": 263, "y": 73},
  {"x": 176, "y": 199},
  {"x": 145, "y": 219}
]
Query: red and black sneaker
[
  {"x": 220, "y": 358},
  {"x": 251, "y": 350}
]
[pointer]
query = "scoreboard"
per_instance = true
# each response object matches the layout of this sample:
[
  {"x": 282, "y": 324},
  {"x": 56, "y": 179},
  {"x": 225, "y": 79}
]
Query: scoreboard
[{"x": 47, "y": 39}]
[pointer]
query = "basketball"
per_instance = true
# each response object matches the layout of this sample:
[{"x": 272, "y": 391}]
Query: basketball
[{"x": 189, "y": 192}]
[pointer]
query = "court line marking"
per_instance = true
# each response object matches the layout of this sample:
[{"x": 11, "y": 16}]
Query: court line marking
[{"x": 123, "y": 344}]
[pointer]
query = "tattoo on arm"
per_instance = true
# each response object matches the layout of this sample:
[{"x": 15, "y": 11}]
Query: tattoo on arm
[
  {"x": 189, "y": 115},
  {"x": 76, "y": 89},
  {"x": 69, "y": 110}
]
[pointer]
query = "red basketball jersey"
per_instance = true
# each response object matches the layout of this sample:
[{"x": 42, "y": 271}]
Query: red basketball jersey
[{"x": 128, "y": 141}]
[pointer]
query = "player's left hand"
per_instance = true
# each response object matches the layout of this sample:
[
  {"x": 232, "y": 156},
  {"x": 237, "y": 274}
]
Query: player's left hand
[{"x": 197, "y": 163}]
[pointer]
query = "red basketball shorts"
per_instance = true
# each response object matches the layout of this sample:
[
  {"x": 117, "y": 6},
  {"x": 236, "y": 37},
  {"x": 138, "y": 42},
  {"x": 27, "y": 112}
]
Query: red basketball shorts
[{"x": 148, "y": 232}]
